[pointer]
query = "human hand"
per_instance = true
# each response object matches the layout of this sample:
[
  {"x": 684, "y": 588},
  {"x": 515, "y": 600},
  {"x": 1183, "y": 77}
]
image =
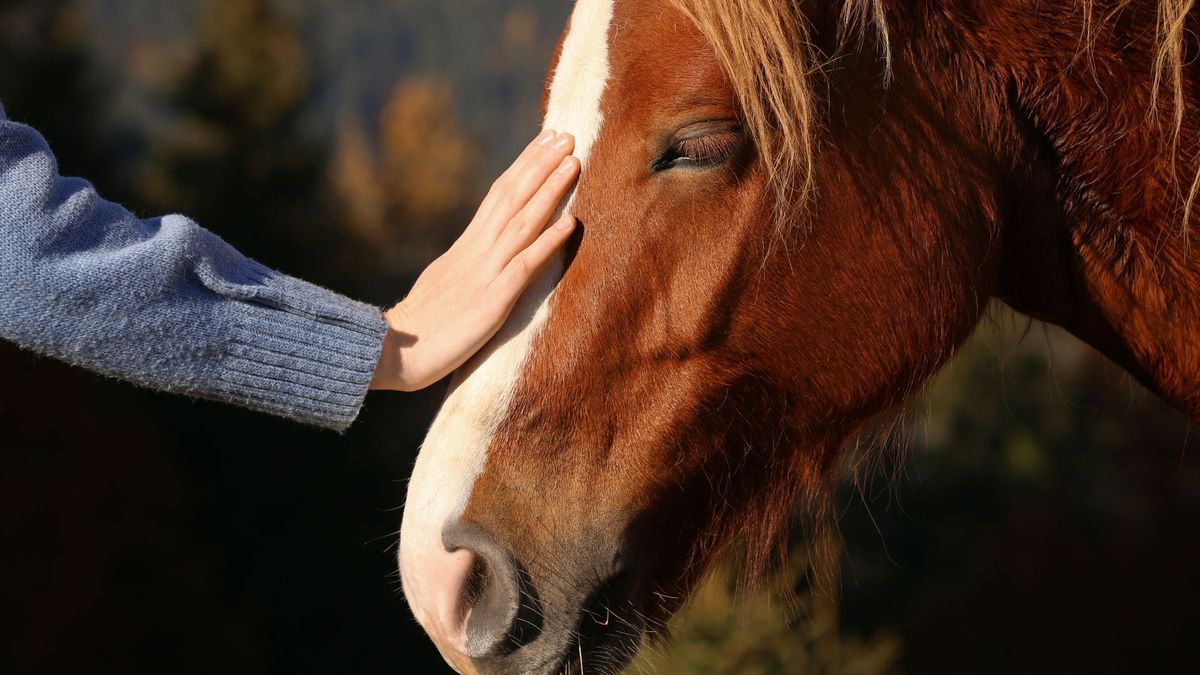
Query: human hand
[{"x": 463, "y": 297}]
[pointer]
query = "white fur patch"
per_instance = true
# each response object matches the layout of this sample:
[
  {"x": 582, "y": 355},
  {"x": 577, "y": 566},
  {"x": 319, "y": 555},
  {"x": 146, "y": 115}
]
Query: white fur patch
[{"x": 455, "y": 450}]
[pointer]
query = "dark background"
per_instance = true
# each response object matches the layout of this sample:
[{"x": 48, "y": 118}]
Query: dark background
[{"x": 1046, "y": 520}]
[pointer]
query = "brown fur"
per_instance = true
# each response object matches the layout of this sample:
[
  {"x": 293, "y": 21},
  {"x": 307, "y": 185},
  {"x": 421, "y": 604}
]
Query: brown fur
[
  {"x": 693, "y": 381},
  {"x": 763, "y": 46}
]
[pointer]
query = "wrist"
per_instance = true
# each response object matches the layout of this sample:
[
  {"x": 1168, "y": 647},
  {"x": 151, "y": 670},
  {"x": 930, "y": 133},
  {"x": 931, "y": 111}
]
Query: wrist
[{"x": 388, "y": 371}]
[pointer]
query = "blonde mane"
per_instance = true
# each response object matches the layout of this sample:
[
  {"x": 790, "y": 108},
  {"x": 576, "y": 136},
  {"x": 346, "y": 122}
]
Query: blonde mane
[{"x": 764, "y": 49}]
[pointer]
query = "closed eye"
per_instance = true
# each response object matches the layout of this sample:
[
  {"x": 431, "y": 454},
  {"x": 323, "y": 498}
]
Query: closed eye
[{"x": 700, "y": 150}]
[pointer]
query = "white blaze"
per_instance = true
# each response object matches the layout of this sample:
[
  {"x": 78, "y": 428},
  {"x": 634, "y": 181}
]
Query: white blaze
[{"x": 455, "y": 450}]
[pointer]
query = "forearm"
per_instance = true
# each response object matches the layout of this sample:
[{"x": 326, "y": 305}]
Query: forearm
[{"x": 166, "y": 304}]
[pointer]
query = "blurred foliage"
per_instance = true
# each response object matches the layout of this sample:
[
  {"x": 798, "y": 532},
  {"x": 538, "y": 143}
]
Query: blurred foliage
[
  {"x": 1035, "y": 512},
  {"x": 425, "y": 158},
  {"x": 420, "y": 176},
  {"x": 1036, "y": 516},
  {"x": 492, "y": 53},
  {"x": 781, "y": 627},
  {"x": 46, "y": 42},
  {"x": 236, "y": 108}
]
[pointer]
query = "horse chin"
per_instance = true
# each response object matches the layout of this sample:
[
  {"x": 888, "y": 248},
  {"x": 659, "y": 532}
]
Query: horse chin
[
  {"x": 607, "y": 653},
  {"x": 612, "y": 655},
  {"x": 605, "y": 642}
]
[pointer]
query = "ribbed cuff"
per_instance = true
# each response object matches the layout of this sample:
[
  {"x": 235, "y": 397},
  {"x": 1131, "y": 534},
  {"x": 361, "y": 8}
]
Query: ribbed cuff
[{"x": 292, "y": 361}]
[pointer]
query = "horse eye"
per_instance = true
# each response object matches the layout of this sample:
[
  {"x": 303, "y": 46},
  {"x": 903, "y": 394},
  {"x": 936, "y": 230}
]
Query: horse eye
[{"x": 699, "y": 151}]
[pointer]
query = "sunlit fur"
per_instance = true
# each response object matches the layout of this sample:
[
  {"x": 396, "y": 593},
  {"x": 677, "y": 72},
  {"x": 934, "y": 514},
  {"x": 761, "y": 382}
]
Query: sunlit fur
[
  {"x": 1168, "y": 64},
  {"x": 764, "y": 48}
]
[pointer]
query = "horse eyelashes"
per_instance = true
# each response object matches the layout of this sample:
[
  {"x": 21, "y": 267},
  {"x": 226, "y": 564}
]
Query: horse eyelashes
[
  {"x": 699, "y": 151},
  {"x": 708, "y": 148}
]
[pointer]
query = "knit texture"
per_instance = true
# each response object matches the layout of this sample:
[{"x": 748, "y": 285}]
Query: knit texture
[{"x": 167, "y": 304}]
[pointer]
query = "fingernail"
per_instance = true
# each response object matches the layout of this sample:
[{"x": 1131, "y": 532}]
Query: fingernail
[
  {"x": 565, "y": 166},
  {"x": 565, "y": 223},
  {"x": 546, "y": 137},
  {"x": 562, "y": 141}
]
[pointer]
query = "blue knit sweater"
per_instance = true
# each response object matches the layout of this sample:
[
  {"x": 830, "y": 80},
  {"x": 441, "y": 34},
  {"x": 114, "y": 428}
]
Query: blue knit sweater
[{"x": 166, "y": 304}]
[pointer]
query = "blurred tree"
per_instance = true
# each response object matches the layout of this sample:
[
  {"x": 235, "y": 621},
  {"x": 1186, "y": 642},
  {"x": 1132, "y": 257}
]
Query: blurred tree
[
  {"x": 426, "y": 159},
  {"x": 354, "y": 177},
  {"x": 239, "y": 160},
  {"x": 42, "y": 42},
  {"x": 783, "y": 627},
  {"x": 409, "y": 200}
]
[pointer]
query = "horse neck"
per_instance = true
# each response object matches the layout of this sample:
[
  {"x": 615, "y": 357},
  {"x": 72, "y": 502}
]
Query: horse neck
[{"x": 1095, "y": 238}]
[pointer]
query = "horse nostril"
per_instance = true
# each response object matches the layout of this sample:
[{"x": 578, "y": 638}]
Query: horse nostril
[{"x": 504, "y": 611}]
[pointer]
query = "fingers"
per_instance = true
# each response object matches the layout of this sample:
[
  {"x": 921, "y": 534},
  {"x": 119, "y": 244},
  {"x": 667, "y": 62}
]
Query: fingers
[
  {"x": 526, "y": 265},
  {"x": 526, "y": 225},
  {"x": 521, "y": 181}
]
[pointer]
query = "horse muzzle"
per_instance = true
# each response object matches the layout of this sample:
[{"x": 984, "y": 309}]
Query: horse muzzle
[{"x": 489, "y": 613}]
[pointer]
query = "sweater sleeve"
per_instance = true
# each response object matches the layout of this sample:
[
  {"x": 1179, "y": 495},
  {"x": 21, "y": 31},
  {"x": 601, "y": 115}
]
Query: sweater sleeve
[{"x": 166, "y": 304}]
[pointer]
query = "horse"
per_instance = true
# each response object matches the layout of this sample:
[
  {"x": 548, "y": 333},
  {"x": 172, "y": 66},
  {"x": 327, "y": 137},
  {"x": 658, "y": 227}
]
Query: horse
[{"x": 791, "y": 214}]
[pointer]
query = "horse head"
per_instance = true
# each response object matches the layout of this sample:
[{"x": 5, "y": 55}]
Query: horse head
[{"x": 765, "y": 261}]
